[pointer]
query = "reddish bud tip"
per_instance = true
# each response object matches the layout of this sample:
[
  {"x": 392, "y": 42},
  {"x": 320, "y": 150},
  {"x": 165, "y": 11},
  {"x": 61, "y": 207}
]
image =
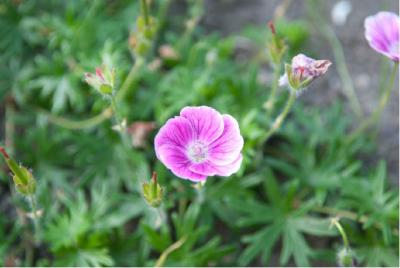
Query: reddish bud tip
[
  {"x": 4, "y": 153},
  {"x": 154, "y": 177},
  {"x": 99, "y": 73},
  {"x": 272, "y": 27}
]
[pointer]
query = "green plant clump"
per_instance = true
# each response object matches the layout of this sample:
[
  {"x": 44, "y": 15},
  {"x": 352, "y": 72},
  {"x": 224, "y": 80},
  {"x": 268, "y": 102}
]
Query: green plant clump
[{"x": 92, "y": 154}]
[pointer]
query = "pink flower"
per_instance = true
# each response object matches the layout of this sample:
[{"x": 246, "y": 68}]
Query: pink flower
[
  {"x": 200, "y": 143},
  {"x": 303, "y": 71},
  {"x": 382, "y": 33}
]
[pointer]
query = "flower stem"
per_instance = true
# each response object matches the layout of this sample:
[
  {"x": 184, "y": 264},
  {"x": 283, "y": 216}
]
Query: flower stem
[
  {"x": 269, "y": 105},
  {"x": 119, "y": 121},
  {"x": 132, "y": 76},
  {"x": 342, "y": 232},
  {"x": 281, "y": 117},
  {"x": 80, "y": 124},
  {"x": 348, "y": 215},
  {"x": 145, "y": 11},
  {"x": 161, "y": 260},
  {"x": 378, "y": 111},
  {"x": 32, "y": 202}
]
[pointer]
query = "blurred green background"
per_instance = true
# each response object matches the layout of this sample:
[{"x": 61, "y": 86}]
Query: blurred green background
[{"x": 275, "y": 211}]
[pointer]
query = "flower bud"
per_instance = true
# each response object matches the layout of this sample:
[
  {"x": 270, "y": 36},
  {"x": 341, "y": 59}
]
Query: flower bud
[
  {"x": 102, "y": 80},
  {"x": 345, "y": 258},
  {"x": 141, "y": 40},
  {"x": 277, "y": 47},
  {"x": 23, "y": 179},
  {"x": 303, "y": 71},
  {"x": 152, "y": 192}
]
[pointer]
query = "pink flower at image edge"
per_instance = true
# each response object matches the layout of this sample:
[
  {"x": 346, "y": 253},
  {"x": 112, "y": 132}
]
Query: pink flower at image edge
[
  {"x": 382, "y": 33},
  {"x": 200, "y": 142}
]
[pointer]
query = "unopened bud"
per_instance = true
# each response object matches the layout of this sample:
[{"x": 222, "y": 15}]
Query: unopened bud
[
  {"x": 272, "y": 27},
  {"x": 302, "y": 72},
  {"x": 152, "y": 192},
  {"x": 102, "y": 80},
  {"x": 23, "y": 179},
  {"x": 276, "y": 47}
]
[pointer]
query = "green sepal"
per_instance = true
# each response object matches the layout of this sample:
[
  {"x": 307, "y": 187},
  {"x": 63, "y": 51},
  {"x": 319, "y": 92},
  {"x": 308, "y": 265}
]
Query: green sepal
[
  {"x": 152, "y": 192},
  {"x": 28, "y": 188},
  {"x": 18, "y": 171},
  {"x": 105, "y": 89}
]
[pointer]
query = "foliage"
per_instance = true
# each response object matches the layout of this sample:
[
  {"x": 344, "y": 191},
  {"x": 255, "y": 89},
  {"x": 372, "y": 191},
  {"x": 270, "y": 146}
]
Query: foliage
[{"x": 89, "y": 183}]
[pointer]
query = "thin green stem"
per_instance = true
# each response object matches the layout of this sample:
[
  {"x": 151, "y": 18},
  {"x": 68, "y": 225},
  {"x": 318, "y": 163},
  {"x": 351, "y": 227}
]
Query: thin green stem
[
  {"x": 121, "y": 129},
  {"x": 342, "y": 232},
  {"x": 145, "y": 12},
  {"x": 200, "y": 191},
  {"x": 80, "y": 124},
  {"x": 347, "y": 215},
  {"x": 274, "y": 87},
  {"x": 281, "y": 117},
  {"x": 161, "y": 260},
  {"x": 378, "y": 111},
  {"x": 162, "y": 215},
  {"x": 191, "y": 25},
  {"x": 132, "y": 77},
  {"x": 32, "y": 202},
  {"x": 341, "y": 214}
]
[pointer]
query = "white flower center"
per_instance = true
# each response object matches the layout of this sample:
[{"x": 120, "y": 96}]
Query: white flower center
[{"x": 197, "y": 151}]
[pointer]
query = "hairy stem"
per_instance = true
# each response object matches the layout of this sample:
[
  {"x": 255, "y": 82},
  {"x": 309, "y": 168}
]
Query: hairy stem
[
  {"x": 274, "y": 87},
  {"x": 281, "y": 117}
]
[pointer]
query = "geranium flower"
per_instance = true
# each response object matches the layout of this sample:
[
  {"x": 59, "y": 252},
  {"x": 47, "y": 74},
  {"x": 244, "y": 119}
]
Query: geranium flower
[
  {"x": 303, "y": 71},
  {"x": 382, "y": 33},
  {"x": 200, "y": 142}
]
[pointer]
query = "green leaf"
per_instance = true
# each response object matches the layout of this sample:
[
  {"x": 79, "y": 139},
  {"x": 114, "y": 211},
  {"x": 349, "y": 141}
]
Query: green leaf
[
  {"x": 294, "y": 245},
  {"x": 262, "y": 243},
  {"x": 315, "y": 226}
]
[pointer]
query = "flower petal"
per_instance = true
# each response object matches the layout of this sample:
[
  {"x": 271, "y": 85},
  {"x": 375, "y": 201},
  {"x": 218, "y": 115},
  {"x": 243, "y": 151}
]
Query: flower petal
[
  {"x": 206, "y": 168},
  {"x": 226, "y": 148},
  {"x": 177, "y": 131},
  {"x": 175, "y": 159},
  {"x": 228, "y": 170},
  {"x": 206, "y": 122},
  {"x": 382, "y": 33}
]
